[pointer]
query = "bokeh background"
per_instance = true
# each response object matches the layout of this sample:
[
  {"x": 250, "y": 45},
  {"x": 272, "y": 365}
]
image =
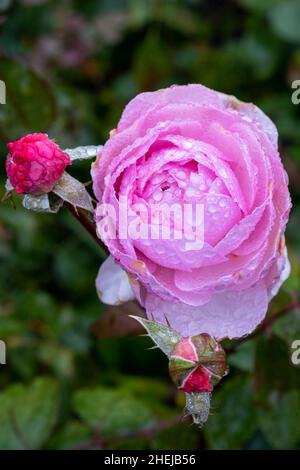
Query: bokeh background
[{"x": 70, "y": 66}]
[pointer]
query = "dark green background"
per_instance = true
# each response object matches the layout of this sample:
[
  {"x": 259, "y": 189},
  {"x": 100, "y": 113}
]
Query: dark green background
[{"x": 70, "y": 67}]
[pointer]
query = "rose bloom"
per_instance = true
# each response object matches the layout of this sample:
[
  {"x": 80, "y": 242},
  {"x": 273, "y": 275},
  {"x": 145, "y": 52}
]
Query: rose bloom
[{"x": 192, "y": 145}]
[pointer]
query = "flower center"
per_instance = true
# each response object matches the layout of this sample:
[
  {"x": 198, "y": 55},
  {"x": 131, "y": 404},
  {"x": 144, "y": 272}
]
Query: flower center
[{"x": 188, "y": 207}]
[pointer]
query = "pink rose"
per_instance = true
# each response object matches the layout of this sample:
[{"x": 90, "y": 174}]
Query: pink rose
[
  {"x": 35, "y": 164},
  {"x": 189, "y": 145}
]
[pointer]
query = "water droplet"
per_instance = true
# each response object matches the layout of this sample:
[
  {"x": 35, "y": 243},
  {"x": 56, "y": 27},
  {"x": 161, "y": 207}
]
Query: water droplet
[
  {"x": 181, "y": 174},
  {"x": 212, "y": 208},
  {"x": 190, "y": 192},
  {"x": 188, "y": 145},
  {"x": 157, "y": 196},
  {"x": 157, "y": 179},
  {"x": 223, "y": 173},
  {"x": 195, "y": 179}
]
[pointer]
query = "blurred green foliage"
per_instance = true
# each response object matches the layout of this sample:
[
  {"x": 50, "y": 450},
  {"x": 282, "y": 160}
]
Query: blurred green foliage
[{"x": 69, "y": 68}]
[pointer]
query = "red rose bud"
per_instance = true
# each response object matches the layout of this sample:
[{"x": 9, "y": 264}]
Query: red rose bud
[
  {"x": 35, "y": 164},
  {"x": 197, "y": 364}
]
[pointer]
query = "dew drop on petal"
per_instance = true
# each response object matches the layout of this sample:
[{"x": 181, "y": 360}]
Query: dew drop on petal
[
  {"x": 181, "y": 174},
  {"x": 212, "y": 208},
  {"x": 223, "y": 173},
  {"x": 190, "y": 192},
  {"x": 157, "y": 196}
]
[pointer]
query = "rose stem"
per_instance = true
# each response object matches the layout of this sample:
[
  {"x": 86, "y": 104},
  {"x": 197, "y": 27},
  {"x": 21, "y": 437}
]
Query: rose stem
[
  {"x": 86, "y": 223},
  {"x": 99, "y": 442}
]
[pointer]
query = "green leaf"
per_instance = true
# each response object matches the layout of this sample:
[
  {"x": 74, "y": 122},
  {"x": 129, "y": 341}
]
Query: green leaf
[
  {"x": 288, "y": 327},
  {"x": 28, "y": 414},
  {"x": 243, "y": 357},
  {"x": 163, "y": 336},
  {"x": 181, "y": 437},
  {"x": 83, "y": 152},
  {"x": 41, "y": 203},
  {"x": 59, "y": 358},
  {"x": 152, "y": 63},
  {"x": 258, "y": 6},
  {"x": 149, "y": 389},
  {"x": 111, "y": 411},
  {"x": 233, "y": 420},
  {"x": 284, "y": 20},
  {"x": 29, "y": 102},
  {"x": 279, "y": 419},
  {"x": 273, "y": 368},
  {"x": 71, "y": 190},
  {"x": 73, "y": 434}
]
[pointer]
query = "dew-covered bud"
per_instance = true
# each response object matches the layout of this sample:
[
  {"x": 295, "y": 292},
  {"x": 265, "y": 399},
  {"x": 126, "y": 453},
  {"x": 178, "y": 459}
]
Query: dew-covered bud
[
  {"x": 35, "y": 164},
  {"x": 197, "y": 364}
]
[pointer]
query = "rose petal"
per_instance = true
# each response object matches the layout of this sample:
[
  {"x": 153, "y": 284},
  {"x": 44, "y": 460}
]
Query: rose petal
[
  {"x": 112, "y": 283},
  {"x": 230, "y": 314}
]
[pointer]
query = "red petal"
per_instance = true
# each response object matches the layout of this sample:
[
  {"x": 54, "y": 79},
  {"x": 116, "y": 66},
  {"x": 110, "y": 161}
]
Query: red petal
[{"x": 198, "y": 381}]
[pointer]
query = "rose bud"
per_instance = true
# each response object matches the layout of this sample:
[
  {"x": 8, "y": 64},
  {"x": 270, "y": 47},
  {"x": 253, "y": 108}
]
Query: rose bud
[
  {"x": 35, "y": 164},
  {"x": 197, "y": 364}
]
